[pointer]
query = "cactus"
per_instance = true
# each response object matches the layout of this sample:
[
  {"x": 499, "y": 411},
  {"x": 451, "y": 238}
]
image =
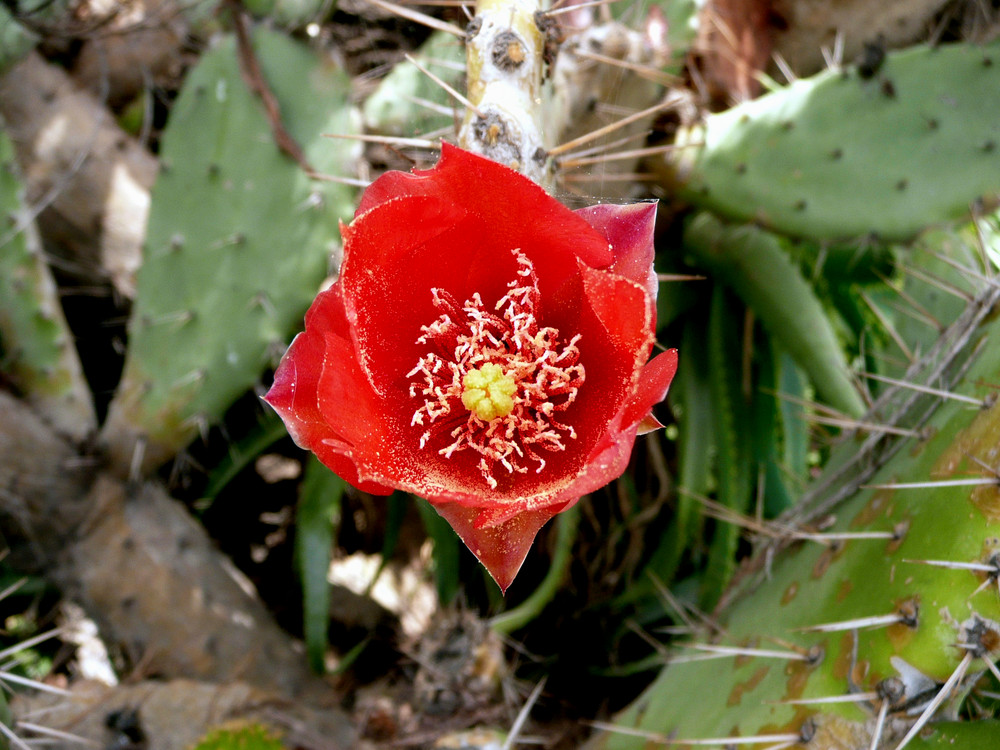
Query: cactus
[
  {"x": 394, "y": 110},
  {"x": 931, "y": 626},
  {"x": 807, "y": 160},
  {"x": 15, "y": 40},
  {"x": 752, "y": 262},
  {"x": 290, "y": 13},
  {"x": 505, "y": 60},
  {"x": 36, "y": 347},
  {"x": 239, "y": 240}
]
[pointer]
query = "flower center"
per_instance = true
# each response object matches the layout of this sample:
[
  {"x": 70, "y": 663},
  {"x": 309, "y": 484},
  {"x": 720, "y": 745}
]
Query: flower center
[
  {"x": 487, "y": 392},
  {"x": 511, "y": 376}
]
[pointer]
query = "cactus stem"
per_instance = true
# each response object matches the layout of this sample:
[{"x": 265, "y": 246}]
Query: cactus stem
[
  {"x": 505, "y": 62},
  {"x": 942, "y": 695}
]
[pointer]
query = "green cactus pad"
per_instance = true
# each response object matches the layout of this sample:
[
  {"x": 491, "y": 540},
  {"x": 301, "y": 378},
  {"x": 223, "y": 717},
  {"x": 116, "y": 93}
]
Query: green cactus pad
[
  {"x": 15, "y": 40},
  {"x": 835, "y": 156},
  {"x": 809, "y": 584},
  {"x": 753, "y": 263},
  {"x": 239, "y": 241},
  {"x": 290, "y": 13},
  {"x": 36, "y": 347},
  {"x": 394, "y": 110}
]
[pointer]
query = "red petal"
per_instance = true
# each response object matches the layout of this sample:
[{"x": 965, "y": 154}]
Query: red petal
[
  {"x": 629, "y": 230},
  {"x": 654, "y": 382},
  {"x": 393, "y": 256},
  {"x": 624, "y": 310},
  {"x": 610, "y": 456},
  {"x": 512, "y": 209},
  {"x": 296, "y": 392},
  {"x": 500, "y": 547}
]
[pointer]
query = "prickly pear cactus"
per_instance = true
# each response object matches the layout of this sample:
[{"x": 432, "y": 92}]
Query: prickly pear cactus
[
  {"x": 15, "y": 40},
  {"x": 36, "y": 347},
  {"x": 407, "y": 102},
  {"x": 874, "y": 612},
  {"x": 840, "y": 156},
  {"x": 239, "y": 239}
]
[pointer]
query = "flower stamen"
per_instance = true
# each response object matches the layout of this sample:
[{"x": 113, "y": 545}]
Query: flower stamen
[{"x": 496, "y": 380}]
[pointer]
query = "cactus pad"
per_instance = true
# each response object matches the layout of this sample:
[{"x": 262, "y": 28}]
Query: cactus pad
[
  {"x": 239, "y": 241},
  {"x": 836, "y": 156}
]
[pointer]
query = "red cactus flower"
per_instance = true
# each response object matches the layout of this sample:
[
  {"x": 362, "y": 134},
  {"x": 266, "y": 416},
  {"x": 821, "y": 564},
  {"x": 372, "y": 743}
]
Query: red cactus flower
[{"x": 484, "y": 347}]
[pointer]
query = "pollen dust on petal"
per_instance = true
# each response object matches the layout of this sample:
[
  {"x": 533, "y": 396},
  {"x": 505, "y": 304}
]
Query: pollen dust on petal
[{"x": 494, "y": 381}]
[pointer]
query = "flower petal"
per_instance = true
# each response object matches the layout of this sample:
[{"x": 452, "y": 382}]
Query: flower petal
[
  {"x": 652, "y": 389},
  {"x": 393, "y": 256},
  {"x": 513, "y": 210},
  {"x": 420, "y": 246},
  {"x": 629, "y": 229},
  {"x": 501, "y": 547},
  {"x": 610, "y": 456},
  {"x": 297, "y": 390}
]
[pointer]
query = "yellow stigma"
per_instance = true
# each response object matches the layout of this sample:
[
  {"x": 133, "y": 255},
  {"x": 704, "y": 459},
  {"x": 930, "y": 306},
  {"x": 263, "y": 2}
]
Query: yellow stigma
[{"x": 487, "y": 392}]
